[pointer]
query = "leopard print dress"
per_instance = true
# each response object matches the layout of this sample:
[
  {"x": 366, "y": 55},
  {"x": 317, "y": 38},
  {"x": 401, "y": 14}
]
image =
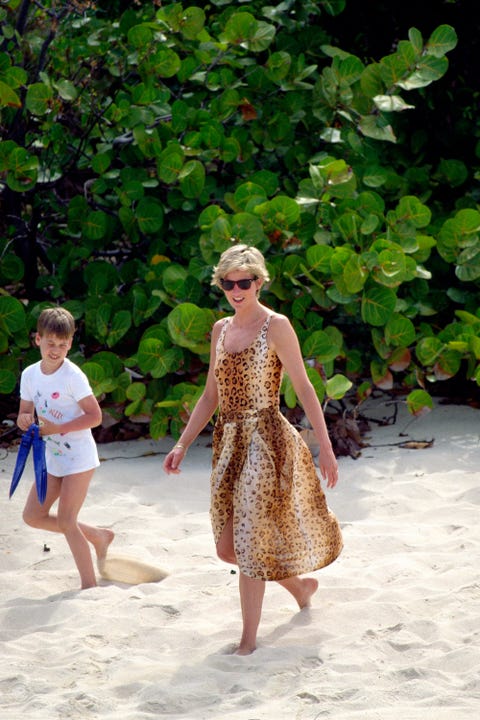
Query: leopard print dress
[{"x": 263, "y": 472}]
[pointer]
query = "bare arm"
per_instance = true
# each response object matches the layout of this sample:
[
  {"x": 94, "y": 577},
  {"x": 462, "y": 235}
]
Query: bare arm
[
  {"x": 201, "y": 413},
  {"x": 92, "y": 416},
  {"x": 26, "y": 415},
  {"x": 283, "y": 339}
]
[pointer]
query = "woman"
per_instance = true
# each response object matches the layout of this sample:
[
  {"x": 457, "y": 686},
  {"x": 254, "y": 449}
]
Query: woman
[{"x": 268, "y": 510}]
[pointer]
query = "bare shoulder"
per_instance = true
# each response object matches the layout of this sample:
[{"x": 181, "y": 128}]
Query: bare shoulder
[
  {"x": 279, "y": 322},
  {"x": 280, "y": 330},
  {"x": 217, "y": 328}
]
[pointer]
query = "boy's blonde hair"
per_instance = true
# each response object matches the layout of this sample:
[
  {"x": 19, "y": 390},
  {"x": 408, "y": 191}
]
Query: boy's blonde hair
[
  {"x": 56, "y": 321},
  {"x": 240, "y": 257}
]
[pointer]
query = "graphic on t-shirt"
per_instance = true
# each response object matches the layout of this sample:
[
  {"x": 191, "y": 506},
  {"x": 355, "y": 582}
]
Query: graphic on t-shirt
[{"x": 44, "y": 410}]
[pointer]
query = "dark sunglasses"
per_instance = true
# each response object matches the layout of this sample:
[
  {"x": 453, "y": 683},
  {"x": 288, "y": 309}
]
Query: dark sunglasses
[{"x": 243, "y": 284}]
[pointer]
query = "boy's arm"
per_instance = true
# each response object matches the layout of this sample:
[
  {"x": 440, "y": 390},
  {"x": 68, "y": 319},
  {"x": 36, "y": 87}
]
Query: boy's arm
[
  {"x": 92, "y": 416},
  {"x": 25, "y": 415}
]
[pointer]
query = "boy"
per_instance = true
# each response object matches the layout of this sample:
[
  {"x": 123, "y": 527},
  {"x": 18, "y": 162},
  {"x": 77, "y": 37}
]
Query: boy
[{"x": 58, "y": 392}]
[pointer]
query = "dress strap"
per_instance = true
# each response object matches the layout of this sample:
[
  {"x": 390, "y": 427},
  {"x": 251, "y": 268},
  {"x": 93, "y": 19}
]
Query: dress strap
[
  {"x": 222, "y": 332},
  {"x": 264, "y": 328}
]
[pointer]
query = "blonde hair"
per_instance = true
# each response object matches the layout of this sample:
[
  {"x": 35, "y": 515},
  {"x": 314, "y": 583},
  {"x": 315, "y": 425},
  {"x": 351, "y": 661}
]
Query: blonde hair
[
  {"x": 56, "y": 321},
  {"x": 240, "y": 257}
]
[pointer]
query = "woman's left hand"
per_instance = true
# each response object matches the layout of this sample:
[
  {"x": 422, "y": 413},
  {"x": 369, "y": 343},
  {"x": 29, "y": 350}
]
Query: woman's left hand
[{"x": 171, "y": 464}]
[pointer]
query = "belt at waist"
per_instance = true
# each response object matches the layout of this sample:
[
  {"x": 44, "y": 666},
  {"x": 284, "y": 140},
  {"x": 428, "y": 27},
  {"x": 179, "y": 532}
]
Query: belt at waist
[{"x": 239, "y": 415}]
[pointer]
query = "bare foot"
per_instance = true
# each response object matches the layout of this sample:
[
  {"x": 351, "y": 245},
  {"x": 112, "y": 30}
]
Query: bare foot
[
  {"x": 309, "y": 587},
  {"x": 244, "y": 650},
  {"x": 302, "y": 589},
  {"x": 101, "y": 544}
]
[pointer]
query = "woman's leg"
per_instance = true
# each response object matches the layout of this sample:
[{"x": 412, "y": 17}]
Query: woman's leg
[
  {"x": 302, "y": 589},
  {"x": 225, "y": 548},
  {"x": 251, "y": 601},
  {"x": 251, "y": 592}
]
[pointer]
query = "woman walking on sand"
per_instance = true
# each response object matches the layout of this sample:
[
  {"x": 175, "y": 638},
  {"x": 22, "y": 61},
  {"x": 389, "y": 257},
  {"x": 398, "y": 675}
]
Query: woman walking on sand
[{"x": 268, "y": 510}]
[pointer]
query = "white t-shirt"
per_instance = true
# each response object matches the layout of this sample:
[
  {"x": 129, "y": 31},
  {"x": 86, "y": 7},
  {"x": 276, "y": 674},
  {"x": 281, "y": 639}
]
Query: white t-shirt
[{"x": 56, "y": 398}]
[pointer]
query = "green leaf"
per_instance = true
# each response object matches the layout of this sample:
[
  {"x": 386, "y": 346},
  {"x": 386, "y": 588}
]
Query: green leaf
[
  {"x": 165, "y": 63},
  {"x": 192, "y": 179},
  {"x": 428, "y": 350},
  {"x": 100, "y": 276},
  {"x": 447, "y": 365},
  {"x": 318, "y": 258},
  {"x": 12, "y": 268},
  {"x": 38, "y": 98},
  {"x": 8, "y": 382},
  {"x": 94, "y": 225},
  {"x": 8, "y": 97},
  {"x": 376, "y": 128},
  {"x": 122, "y": 321},
  {"x": 410, "y": 208},
  {"x": 441, "y": 41},
  {"x": 429, "y": 69},
  {"x": 390, "y": 267},
  {"x": 399, "y": 331},
  {"x": 171, "y": 361},
  {"x": 99, "y": 382},
  {"x": 23, "y": 170},
  {"x": 248, "y": 195},
  {"x": 149, "y": 354},
  {"x": 281, "y": 213},
  {"x": 67, "y": 90},
  {"x": 149, "y": 214},
  {"x": 169, "y": 165},
  {"x": 381, "y": 375},
  {"x": 355, "y": 274},
  {"x": 468, "y": 264},
  {"x": 159, "y": 425},
  {"x": 419, "y": 403},
  {"x": 278, "y": 66},
  {"x": 140, "y": 36},
  {"x": 378, "y": 304},
  {"x": 239, "y": 28},
  {"x": 12, "y": 315},
  {"x": 192, "y": 22},
  {"x": 190, "y": 327},
  {"x": 337, "y": 387},
  {"x": 136, "y": 391},
  {"x": 319, "y": 345}
]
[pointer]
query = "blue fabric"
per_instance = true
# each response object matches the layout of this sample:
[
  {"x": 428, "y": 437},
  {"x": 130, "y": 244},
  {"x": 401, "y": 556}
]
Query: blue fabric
[{"x": 31, "y": 438}]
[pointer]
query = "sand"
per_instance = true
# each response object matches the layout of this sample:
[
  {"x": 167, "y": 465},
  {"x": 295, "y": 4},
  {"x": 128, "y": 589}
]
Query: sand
[{"x": 393, "y": 632}]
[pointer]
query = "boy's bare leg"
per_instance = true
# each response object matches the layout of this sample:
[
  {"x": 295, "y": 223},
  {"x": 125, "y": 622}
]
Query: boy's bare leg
[
  {"x": 71, "y": 492},
  {"x": 302, "y": 589},
  {"x": 251, "y": 600}
]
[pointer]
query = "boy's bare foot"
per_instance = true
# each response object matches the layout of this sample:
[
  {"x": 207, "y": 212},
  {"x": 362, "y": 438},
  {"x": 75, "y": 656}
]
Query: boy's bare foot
[{"x": 101, "y": 545}]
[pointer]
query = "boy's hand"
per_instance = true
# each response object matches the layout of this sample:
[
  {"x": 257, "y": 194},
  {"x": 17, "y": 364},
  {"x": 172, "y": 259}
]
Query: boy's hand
[
  {"x": 48, "y": 428},
  {"x": 24, "y": 420}
]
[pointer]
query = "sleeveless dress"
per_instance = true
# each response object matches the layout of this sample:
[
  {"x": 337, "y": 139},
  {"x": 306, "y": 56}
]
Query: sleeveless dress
[{"x": 263, "y": 472}]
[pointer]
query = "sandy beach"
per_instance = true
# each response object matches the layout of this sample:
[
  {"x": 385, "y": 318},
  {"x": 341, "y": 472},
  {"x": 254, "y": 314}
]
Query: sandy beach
[{"x": 393, "y": 632}]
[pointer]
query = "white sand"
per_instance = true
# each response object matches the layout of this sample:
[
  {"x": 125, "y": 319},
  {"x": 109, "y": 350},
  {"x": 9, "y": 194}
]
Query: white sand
[{"x": 393, "y": 633}]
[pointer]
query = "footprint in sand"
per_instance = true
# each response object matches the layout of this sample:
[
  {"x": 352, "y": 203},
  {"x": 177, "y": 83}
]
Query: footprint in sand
[{"x": 128, "y": 570}]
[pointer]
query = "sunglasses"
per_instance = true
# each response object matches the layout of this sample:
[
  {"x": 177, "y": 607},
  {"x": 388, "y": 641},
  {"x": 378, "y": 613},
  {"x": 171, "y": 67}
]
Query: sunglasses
[{"x": 243, "y": 284}]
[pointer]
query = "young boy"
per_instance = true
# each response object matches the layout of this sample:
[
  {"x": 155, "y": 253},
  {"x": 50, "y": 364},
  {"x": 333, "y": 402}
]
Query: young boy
[{"x": 59, "y": 394}]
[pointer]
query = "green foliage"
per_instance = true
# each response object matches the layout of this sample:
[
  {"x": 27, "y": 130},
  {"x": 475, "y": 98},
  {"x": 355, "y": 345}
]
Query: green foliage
[{"x": 135, "y": 150}]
